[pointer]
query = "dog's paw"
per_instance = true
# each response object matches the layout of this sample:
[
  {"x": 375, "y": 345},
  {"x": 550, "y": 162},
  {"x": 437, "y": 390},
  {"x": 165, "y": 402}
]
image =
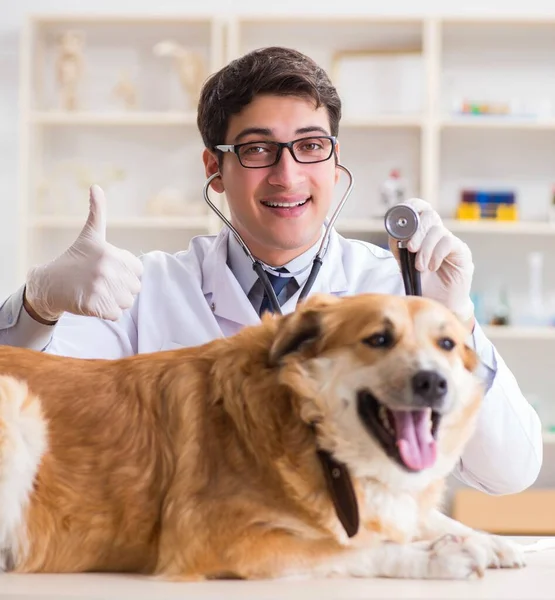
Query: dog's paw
[
  {"x": 496, "y": 551},
  {"x": 451, "y": 558}
]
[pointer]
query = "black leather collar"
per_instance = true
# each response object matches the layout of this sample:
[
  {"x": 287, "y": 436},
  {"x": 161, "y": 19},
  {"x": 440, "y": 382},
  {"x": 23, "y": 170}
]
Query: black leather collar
[{"x": 342, "y": 492}]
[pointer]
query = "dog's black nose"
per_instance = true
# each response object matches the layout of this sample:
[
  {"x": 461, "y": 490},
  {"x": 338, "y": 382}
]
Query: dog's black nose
[{"x": 429, "y": 388}]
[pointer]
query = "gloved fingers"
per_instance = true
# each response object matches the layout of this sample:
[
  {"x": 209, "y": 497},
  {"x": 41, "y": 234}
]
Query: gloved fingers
[
  {"x": 418, "y": 204},
  {"x": 110, "y": 312},
  {"x": 107, "y": 303},
  {"x": 132, "y": 262},
  {"x": 461, "y": 255},
  {"x": 100, "y": 303},
  {"x": 133, "y": 284},
  {"x": 428, "y": 219},
  {"x": 131, "y": 270},
  {"x": 124, "y": 298},
  {"x": 435, "y": 247},
  {"x": 123, "y": 279}
]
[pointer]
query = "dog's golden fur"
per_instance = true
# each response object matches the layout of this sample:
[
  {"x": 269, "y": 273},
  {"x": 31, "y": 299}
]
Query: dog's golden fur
[{"x": 201, "y": 462}]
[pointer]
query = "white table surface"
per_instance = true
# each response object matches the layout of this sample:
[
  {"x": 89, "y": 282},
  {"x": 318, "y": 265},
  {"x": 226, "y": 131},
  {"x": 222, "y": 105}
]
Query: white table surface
[{"x": 536, "y": 580}]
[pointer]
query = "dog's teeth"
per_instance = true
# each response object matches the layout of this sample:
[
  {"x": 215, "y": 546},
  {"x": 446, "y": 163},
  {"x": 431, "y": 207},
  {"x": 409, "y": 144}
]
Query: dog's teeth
[
  {"x": 384, "y": 419},
  {"x": 429, "y": 418},
  {"x": 430, "y": 424}
]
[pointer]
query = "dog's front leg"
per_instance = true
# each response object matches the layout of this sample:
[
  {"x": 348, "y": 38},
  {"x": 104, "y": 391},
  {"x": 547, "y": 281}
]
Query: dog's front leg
[
  {"x": 278, "y": 554},
  {"x": 494, "y": 550}
]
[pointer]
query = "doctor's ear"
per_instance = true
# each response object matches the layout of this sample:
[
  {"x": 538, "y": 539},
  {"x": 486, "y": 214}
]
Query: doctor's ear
[{"x": 211, "y": 166}]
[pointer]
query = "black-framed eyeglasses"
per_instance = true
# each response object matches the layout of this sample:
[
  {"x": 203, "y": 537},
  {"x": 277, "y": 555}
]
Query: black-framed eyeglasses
[{"x": 306, "y": 150}]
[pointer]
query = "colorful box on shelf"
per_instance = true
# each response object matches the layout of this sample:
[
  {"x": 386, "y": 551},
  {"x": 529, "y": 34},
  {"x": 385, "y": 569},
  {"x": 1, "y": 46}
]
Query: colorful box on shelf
[
  {"x": 468, "y": 107},
  {"x": 477, "y": 205}
]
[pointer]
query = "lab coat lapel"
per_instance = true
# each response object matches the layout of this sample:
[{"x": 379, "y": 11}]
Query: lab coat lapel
[
  {"x": 331, "y": 279},
  {"x": 221, "y": 288}
]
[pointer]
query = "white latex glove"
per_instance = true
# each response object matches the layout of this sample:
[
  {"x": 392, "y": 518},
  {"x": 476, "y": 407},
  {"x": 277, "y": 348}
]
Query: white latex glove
[
  {"x": 92, "y": 277},
  {"x": 445, "y": 261}
]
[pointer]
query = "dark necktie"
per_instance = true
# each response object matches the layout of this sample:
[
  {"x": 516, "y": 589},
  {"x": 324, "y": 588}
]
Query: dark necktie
[{"x": 278, "y": 283}]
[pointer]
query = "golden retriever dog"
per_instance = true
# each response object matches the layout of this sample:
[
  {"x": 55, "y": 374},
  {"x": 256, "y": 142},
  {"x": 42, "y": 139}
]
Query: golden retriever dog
[{"x": 315, "y": 444}]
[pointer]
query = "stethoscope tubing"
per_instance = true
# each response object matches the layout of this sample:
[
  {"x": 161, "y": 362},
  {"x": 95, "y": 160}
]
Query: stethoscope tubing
[{"x": 259, "y": 267}]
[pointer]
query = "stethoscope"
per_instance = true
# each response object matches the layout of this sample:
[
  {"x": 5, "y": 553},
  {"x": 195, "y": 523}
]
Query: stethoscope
[
  {"x": 401, "y": 223},
  {"x": 261, "y": 268}
]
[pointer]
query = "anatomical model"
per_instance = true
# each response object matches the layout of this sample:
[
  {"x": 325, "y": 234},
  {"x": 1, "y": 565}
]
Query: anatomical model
[
  {"x": 69, "y": 68},
  {"x": 189, "y": 65}
]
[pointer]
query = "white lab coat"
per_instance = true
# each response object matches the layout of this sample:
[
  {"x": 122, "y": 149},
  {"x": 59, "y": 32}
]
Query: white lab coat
[{"x": 192, "y": 297}]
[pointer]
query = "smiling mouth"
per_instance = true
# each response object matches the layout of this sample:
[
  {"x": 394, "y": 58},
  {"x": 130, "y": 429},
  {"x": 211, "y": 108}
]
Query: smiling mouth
[
  {"x": 285, "y": 204},
  {"x": 409, "y": 437}
]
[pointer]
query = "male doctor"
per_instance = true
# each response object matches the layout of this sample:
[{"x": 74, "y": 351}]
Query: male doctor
[{"x": 268, "y": 121}]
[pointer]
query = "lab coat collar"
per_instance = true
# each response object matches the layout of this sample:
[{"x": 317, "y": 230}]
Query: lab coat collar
[{"x": 227, "y": 298}]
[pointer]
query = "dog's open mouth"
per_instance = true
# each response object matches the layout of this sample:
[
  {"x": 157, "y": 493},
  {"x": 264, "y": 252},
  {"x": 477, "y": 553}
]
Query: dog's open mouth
[{"x": 407, "y": 436}]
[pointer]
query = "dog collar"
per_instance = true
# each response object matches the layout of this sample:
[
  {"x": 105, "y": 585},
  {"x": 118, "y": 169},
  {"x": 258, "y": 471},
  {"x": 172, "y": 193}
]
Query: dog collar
[{"x": 342, "y": 492}]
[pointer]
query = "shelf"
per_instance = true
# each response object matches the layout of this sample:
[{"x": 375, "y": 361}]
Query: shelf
[
  {"x": 497, "y": 122},
  {"x": 457, "y": 226},
  {"x": 150, "y": 18},
  {"x": 501, "y": 227},
  {"x": 510, "y": 332},
  {"x": 113, "y": 118},
  {"x": 191, "y": 223},
  {"x": 383, "y": 121}
]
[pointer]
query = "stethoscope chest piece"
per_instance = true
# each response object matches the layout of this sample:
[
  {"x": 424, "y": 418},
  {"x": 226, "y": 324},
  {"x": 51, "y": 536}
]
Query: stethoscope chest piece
[{"x": 401, "y": 223}]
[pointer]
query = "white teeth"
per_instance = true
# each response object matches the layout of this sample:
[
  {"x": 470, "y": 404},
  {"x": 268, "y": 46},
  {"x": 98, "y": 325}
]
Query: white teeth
[
  {"x": 429, "y": 418},
  {"x": 430, "y": 437},
  {"x": 285, "y": 204},
  {"x": 382, "y": 413}
]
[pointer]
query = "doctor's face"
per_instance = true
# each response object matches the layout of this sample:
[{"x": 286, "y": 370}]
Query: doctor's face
[{"x": 278, "y": 210}]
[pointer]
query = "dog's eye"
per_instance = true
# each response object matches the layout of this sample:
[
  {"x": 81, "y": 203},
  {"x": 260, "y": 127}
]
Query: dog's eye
[
  {"x": 446, "y": 343},
  {"x": 379, "y": 340}
]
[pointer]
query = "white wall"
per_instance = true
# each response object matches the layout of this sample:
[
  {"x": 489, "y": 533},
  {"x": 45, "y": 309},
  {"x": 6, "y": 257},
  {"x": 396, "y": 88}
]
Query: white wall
[{"x": 14, "y": 12}]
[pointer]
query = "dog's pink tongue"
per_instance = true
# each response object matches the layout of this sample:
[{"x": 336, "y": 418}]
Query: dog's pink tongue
[{"x": 416, "y": 445}]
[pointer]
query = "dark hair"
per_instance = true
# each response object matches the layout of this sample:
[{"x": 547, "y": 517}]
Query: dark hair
[{"x": 273, "y": 70}]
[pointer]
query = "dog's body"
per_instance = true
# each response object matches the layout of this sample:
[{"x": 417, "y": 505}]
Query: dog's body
[{"x": 203, "y": 462}]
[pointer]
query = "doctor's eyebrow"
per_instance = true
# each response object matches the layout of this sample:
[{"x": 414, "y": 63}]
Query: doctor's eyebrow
[{"x": 266, "y": 132}]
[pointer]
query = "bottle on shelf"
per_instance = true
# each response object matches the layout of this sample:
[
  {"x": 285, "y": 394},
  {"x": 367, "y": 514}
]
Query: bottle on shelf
[
  {"x": 535, "y": 313},
  {"x": 501, "y": 314},
  {"x": 392, "y": 190}
]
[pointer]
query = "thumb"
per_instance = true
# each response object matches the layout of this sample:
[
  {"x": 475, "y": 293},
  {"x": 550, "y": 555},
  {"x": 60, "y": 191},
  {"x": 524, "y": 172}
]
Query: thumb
[{"x": 96, "y": 221}]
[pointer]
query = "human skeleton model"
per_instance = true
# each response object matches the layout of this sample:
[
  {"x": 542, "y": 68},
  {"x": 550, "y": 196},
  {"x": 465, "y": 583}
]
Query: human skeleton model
[
  {"x": 69, "y": 67},
  {"x": 189, "y": 64}
]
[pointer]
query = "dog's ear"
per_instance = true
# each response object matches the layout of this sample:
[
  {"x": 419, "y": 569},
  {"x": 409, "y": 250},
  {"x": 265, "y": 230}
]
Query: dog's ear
[
  {"x": 470, "y": 359},
  {"x": 301, "y": 328},
  {"x": 472, "y": 363},
  {"x": 296, "y": 331}
]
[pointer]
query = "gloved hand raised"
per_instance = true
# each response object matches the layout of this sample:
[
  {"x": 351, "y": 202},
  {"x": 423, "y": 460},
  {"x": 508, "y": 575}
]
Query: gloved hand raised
[
  {"x": 92, "y": 277},
  {"x": 445, "y": 261}
]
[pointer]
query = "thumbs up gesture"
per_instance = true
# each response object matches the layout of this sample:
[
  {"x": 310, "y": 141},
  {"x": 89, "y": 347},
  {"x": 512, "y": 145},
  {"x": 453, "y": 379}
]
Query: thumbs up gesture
[{"x": 92, "y": 277}]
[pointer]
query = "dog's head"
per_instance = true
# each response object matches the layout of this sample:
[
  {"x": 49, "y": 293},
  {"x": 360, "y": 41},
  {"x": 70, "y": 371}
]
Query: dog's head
[{"x": 383, "y": 379}]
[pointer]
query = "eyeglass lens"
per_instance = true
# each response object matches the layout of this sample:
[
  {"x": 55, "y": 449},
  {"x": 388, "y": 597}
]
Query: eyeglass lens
[{"x": 306, "y": 150}]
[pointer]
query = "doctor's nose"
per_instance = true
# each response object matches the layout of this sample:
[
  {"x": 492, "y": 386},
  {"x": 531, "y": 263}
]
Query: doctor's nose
[{"x": 287, "y": 172}]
